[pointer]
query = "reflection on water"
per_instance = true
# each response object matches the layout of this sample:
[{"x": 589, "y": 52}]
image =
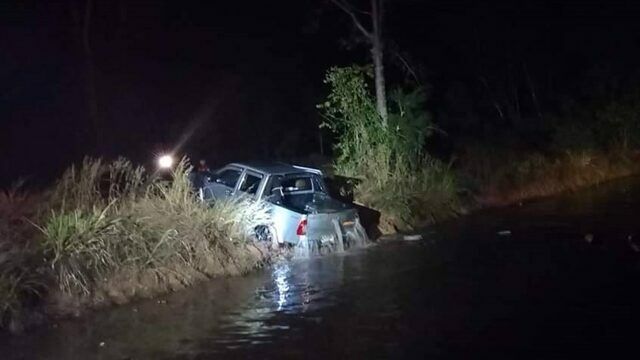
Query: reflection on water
[
  {"x": 280, "y": 273},
  {"x": 290, "y": 297},
  {"x": 464, "y": 291}
]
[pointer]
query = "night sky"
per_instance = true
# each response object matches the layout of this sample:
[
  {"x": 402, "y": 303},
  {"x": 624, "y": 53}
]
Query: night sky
[{"x": 233, "y": 80}]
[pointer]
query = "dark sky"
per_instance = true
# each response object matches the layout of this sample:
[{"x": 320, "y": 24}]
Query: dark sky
[{"x": 240, "y": 79}]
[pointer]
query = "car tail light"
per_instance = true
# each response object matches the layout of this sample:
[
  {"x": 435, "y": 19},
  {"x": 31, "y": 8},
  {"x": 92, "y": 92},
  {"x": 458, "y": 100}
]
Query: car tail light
[{"x": 302, "y": 228}]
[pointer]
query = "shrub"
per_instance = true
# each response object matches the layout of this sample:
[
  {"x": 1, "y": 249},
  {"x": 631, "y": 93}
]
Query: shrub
[
  {"x": 393, "y": 175},
  {"x": 20, "y": 279}
]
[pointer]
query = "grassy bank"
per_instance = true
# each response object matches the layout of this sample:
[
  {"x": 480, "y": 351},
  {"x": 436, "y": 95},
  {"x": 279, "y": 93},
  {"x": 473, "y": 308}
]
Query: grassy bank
[
  {"x": 110, "y": 232},
  {"x": 506, "y": 178},
  {"x": 437, "y": 192},
  {"x": 408, "y": 198}
]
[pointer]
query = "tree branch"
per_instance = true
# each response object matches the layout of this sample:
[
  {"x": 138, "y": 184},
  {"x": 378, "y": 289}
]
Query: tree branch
[
  {"x": 347, "y": 9},
  {"x": 395, "y": 49}
]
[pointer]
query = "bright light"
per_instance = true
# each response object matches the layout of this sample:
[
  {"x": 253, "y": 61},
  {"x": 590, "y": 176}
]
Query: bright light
[{"x": 165, "y": 161}]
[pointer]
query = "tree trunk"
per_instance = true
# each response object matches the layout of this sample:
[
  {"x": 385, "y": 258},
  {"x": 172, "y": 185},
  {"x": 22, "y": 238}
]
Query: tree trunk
[
  {"x": 377, "y": 52},
  {"x": 374, "y": 37}
]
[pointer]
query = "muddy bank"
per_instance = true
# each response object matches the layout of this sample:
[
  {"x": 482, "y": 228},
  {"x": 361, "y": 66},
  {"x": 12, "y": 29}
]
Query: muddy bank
[{"x": 131, "y": 285}]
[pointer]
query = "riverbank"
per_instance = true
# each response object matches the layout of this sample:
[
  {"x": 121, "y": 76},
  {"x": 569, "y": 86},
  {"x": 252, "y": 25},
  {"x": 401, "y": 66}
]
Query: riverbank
[
  {"x": 109, "y": 233},
  {"x": 477, "y": 181},
  {"x": 538, "y": 175},
  {"x": 466, "y": 290},
  {"x": 106, "y": 235}
]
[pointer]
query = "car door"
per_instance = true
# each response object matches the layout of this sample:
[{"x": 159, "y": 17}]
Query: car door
[
  {"x": 250, "y": 183},
  {"x": 225, "y": 182}
]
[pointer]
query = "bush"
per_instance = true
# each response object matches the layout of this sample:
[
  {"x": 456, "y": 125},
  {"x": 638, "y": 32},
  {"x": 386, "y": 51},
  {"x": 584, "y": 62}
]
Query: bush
[
  {"x": 19, "y": 282},
  {"x": 394, "y": 175},
  {"x": 20, "y": 277}
]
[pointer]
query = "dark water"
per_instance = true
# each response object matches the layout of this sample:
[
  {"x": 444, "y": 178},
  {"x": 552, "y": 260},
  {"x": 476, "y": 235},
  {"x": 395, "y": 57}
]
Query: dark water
[{"x": 465, "y": 291}]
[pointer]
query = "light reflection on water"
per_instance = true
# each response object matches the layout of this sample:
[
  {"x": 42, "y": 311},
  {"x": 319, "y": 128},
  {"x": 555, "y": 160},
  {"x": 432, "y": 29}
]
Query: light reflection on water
[
  {"x": 281, "y": 274},
  {"x": 294, "y": 291}
]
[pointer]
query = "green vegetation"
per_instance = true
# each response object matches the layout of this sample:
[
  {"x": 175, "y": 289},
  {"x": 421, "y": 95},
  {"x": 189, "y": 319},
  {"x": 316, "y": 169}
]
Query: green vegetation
[
  {"x": 612, "y": 125},
  {"x": 20, "y": 282},
  {"x": 392, "y": 173},
  {"x": 503, "y": 178},
  {"x": 588, "y": 144},
  {"x": 108, "y": 232}
]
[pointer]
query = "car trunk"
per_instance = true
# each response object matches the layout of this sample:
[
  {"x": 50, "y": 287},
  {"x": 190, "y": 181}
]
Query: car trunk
[
  {"x": 330, "y": 226},
  {"x": 313, "y": 203}
]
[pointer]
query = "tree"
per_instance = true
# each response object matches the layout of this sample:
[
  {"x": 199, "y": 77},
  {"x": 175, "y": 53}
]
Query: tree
[{"x": 374, "y": 38}]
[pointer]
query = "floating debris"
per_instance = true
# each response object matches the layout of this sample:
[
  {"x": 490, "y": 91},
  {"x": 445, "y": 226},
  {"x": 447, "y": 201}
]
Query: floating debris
[
  {"x": 504, "y": 232},
  {"x": 415, "y": 237}
]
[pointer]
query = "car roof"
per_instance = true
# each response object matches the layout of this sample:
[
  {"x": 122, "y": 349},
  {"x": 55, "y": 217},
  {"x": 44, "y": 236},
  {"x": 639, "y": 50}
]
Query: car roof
[{"x": 275, "y": 167}]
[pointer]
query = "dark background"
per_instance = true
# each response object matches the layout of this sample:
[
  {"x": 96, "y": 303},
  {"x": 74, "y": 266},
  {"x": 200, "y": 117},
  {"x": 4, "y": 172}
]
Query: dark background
[{"x": 236, "y": 80}]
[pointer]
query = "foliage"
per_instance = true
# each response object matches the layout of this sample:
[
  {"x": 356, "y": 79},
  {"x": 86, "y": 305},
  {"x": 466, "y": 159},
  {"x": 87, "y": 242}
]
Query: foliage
[
  {"x": 20, "y": 280},
  {"x": 504, "y": 177},
  {"x": 16, "y": 203},
  {"x": 134, "y": 222},
  {"x": 410, "y": 124},
  {"x": 393, "y": 173},
  {"x": 619, "y": 122},
  {"x": 409, "y": 197},
  {"x": 608, "y": 125}
]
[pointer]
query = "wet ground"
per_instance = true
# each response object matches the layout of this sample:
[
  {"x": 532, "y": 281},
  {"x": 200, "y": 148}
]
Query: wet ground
[{"x": 556, "y": 278}]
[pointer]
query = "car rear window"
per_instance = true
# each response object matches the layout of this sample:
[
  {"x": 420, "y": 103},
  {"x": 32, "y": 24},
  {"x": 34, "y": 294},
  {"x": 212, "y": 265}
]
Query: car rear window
[{"x": 297, "y": 183}]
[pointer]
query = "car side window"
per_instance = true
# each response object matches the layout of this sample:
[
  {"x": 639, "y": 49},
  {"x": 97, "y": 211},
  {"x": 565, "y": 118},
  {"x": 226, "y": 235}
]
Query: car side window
[
  {"x": 273, "y": 190},
  {"x": 317, "y": 185},
  {"x": 228, "y": 177},
  {"x": 250, "y": 183}
]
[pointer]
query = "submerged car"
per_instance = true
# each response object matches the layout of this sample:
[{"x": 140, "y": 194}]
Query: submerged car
[{"x": 301, "y": 208}]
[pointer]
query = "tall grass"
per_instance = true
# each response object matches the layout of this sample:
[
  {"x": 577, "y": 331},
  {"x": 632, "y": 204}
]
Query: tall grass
[
  {"x": 504, "y": 177},
  {"x": 406, "y": 197},
  {"x": 114, "y": 232},
  {"x": 20, "y": 280},
  {"x": 109, "y": 232}
]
